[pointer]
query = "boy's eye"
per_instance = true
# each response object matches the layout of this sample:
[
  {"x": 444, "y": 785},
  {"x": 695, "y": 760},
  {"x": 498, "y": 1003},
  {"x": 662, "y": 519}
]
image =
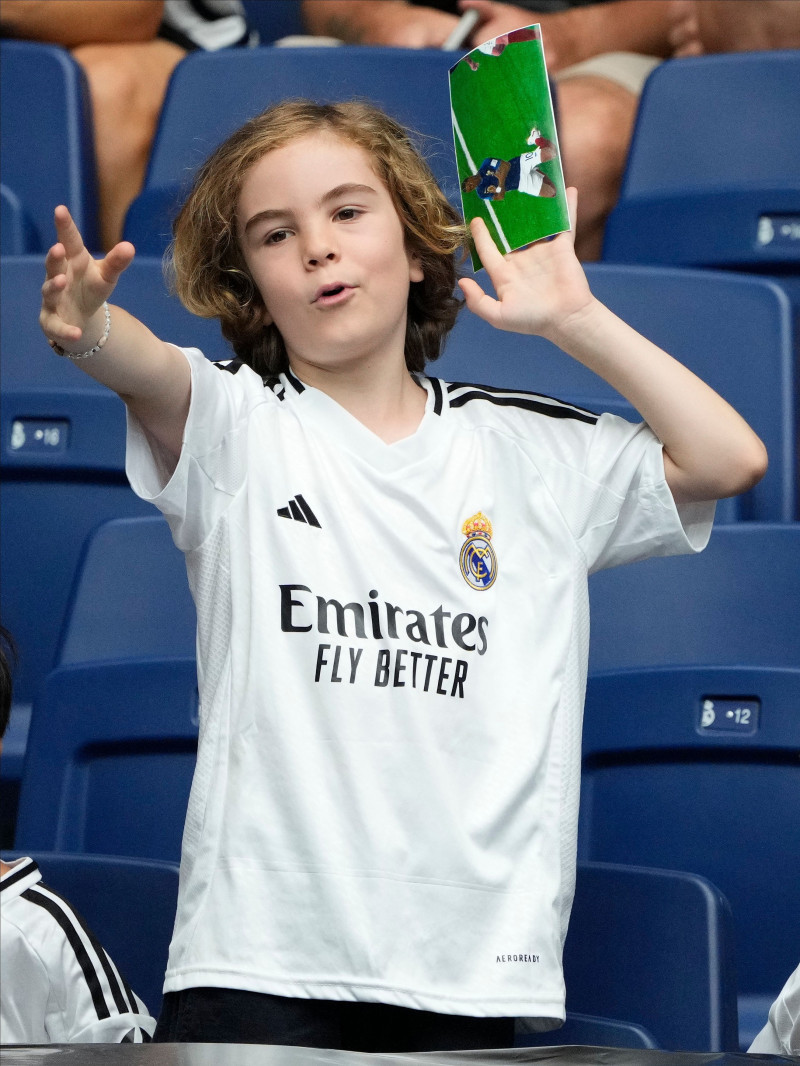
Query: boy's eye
[
  {"x": 346, "y": 214},
  {"x": 276, "y": 236}
]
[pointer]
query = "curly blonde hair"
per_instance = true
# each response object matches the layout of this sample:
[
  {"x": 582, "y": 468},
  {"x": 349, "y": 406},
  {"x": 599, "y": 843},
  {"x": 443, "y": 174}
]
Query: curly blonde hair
[{"x": 206, "y": 262}]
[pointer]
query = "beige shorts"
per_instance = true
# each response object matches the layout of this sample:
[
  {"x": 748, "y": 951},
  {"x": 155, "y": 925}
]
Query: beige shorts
[{"x": 628, "y": 69}]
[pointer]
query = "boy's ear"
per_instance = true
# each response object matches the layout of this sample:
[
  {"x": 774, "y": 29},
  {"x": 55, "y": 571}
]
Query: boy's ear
[{"x": 415, "y": 271}]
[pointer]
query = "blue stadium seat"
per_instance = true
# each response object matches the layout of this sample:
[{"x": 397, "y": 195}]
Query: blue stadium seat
[
  {"x": 211, "y": 94},
  {"x": 47, "y": 138},
  {"x": 733, "y": 331},
  {"x": 129, "y": 904},
  {"x": 110, "y": 759},
  {"x": 127, "y": 652},
  {"x": 62, "y": 463},
  {"x": 655, "y": 948},
  {"x": 712, "y": 173},
  {"x": 691, "y": 734},
  {"x": 131, "y": 609},
  {"x": 131, "y": 598},
  {"x": 733, "y": 604}
]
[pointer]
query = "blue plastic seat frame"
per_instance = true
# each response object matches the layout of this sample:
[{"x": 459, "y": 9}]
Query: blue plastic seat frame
[
  {"x": 110, "y": 758},
  {"x": 699, "y": 188},
  {"x": 691, "y": 733},
  {"x": 45, "y": 104},
  {"x": 654, "y": 947}
]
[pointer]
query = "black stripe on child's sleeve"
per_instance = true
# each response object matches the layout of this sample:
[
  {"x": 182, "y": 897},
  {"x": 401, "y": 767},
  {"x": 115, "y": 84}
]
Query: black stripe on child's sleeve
[
  {"x": 116, "y": 984},
  {"x": 81, "y": 954}
]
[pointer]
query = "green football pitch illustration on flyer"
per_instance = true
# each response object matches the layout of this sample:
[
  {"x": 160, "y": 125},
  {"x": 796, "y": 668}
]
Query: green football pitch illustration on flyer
[{"x": 504, "y": 129}]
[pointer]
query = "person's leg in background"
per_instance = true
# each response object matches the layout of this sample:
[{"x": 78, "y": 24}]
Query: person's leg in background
[
  {"x": 127, "y": 83},
  {"x": 597, "y": 103}
]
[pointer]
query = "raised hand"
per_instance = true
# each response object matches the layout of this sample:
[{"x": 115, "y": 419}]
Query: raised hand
[
  {"x": 76, "y": 285},
  {"x": 540, "y": 288}
]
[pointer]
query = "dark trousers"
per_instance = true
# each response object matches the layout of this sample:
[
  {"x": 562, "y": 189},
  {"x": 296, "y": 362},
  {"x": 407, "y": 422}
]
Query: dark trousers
[{"x": 224, "y": 1015}]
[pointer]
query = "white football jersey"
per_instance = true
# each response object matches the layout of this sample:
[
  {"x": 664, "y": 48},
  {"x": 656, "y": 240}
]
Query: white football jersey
[
  {"x": 392, "y": 649},
  {"x": 58, "y": 984}
]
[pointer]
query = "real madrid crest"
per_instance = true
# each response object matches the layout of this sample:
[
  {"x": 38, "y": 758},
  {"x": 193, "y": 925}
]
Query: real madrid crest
[{"x": 477, "y": 560}]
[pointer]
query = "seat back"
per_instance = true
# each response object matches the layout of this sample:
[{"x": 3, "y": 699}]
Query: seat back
[
  {"x": 110, "y": 758},
  {"x": 734, "y": 604},
  {"x": 653, "y": 947},
  {"x": 648, "y": 963},
  {"x": 691, "y": 731},
  {"x": 44, "y": 101},
  {"x": 711, "y": 178},
  {"x": 116, "y": 779},
  {"x": 130, "y": 599},
  {"x": 735, "y": 332},
  {"x": 129, "y": 904},
  {"x": 410, "y": 84}
]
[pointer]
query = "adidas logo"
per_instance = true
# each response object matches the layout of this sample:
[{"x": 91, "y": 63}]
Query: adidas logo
[{"x": 299, "y": 511}]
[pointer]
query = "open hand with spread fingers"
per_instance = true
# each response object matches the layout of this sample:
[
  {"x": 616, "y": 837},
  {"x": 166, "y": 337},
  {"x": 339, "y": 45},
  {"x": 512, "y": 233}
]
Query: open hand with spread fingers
[
  {"x": 77, "y": 285},
  {"x": 539, "y": 288}
]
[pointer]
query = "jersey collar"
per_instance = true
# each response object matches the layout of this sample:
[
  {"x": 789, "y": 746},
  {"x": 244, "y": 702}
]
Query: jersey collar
[
  {"x": 325, "y": 416},
  {"x": 23, "y": 874}
]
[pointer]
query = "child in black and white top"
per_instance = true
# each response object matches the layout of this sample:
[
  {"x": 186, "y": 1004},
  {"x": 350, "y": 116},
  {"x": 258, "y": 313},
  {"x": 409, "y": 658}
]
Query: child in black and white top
[
  {"x": 390, "y": 576},
  {"x": 59, "y": 985}
]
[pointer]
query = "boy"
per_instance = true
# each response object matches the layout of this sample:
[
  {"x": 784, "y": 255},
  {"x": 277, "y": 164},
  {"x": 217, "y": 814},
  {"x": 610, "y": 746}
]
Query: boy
[{"x": 379, "y": 851}]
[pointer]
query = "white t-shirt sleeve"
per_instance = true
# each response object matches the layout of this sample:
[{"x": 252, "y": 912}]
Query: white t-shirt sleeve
[
  {"x": 59, "y": 990},
  {"x": 125, "y": 1028},
  {"x": 781, "y": 1034},
  {"x": 609, "y": 482},
  {"x": 72, "y": 1016},
  {"x": 212, "y": 468}
]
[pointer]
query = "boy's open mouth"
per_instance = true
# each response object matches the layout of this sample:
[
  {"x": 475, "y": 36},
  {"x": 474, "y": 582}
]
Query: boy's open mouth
[{"x": 328, "y": 293}]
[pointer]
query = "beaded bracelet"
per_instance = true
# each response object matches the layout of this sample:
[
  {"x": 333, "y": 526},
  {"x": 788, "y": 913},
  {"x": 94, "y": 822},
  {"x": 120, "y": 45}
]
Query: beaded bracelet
[{"x": 85, "y": 355}]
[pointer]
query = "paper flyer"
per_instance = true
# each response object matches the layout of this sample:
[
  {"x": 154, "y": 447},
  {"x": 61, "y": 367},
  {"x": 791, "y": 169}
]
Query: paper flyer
[{"x": 506, "y": 143}]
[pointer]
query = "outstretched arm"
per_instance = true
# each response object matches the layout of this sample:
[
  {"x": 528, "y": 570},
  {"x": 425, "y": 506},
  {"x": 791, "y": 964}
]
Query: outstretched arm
[
  {"x": 709, "y": 450},
  {"x": 152, "y": 377}
]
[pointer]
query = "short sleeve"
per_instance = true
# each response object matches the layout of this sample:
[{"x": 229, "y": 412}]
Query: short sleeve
[
  {"x": 126, "y": 1027},
  {"x": 781, "y": 1034},
  {"x": 608, "y": 480},
  {"x": 89, "y": 1001},
  {"x": 212, "y": 466}
]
